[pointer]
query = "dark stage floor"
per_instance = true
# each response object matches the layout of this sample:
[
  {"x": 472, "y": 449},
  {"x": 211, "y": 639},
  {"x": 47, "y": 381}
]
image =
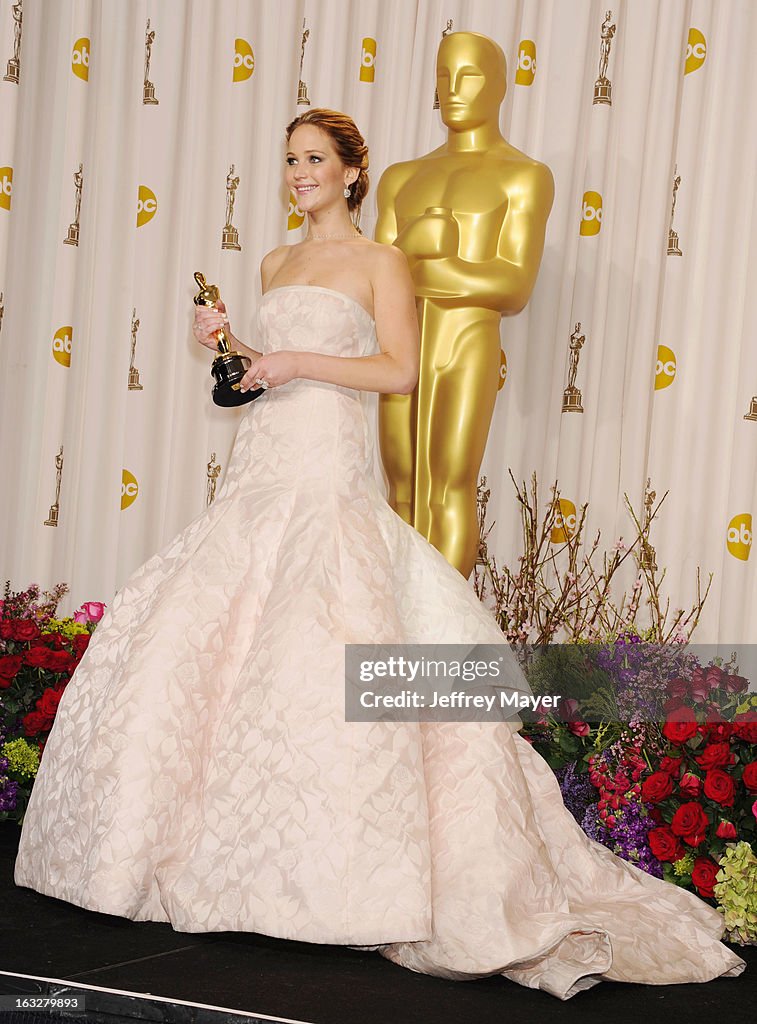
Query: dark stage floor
[{"x": 277, "y": 978}]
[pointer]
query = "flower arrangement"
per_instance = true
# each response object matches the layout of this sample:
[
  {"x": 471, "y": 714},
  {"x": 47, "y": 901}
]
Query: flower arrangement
[{"x": 38, "y": 656}]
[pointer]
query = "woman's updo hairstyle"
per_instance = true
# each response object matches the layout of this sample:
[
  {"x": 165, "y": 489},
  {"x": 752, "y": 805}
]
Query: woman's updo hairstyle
[{"x": 349, "y": 145}]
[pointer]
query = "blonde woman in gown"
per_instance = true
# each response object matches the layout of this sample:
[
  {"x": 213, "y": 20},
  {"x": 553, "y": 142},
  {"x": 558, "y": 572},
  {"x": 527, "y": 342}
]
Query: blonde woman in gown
[{"x": 200, "y": 770}]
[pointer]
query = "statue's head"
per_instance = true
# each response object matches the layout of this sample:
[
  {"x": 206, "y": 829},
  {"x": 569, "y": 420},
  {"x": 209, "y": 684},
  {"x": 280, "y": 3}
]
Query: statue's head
[{"x": 471, "y": 79}]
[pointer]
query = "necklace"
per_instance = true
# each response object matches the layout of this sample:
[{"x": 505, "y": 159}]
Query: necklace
[{"x": 353, "y": 234}]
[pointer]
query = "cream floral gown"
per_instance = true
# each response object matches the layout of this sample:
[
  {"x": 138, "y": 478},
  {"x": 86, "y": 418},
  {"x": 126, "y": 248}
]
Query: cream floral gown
[{"x": 200, "y": 770}]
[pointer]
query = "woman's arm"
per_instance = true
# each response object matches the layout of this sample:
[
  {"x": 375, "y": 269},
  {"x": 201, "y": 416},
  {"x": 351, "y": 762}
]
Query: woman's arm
[{"x": 392, "y": 371}]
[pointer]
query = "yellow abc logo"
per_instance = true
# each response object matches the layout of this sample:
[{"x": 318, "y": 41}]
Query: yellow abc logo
[
  {"x": 739, "y": 536},
  {"x": 129, "y": 488},
  {"x": 368, "y": 59},
  {"x": 244, "y": 60},
  {"x": 665, "y": 370},
  {"x": 147, "y": 205},
  {"x": 62, "y": 345},
  {"x": 6, "y": 187},
  {"x": 526, "y": 62},
  {"x": 591, "y": 213},
  {"x": 502, "y": 369},
  {"x": 565, "y": 521},
  {"x": 80, "y": 58},
  {"x": 696, "y": 51},
  {"x": 295, "y": 216}
]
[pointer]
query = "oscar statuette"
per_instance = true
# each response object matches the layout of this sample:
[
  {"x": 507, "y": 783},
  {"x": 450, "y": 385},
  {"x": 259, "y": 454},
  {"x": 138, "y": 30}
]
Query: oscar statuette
[{"x": 229, "y": 367}]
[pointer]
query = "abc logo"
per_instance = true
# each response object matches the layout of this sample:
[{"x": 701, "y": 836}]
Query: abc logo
[
  {"x": 295, "y": 216},
  {"x": 80, "y": 59},
  {"x": 665, "y": 370},
  {"x": 739, "y": 536},
  {"x": 526, "y": 62},
  {"x": 129, "y": 488},
  {"x": 244, "y": 60},
  {"x": 6, "y": 187},
  {"x": 565, "y": 521},
  {"x": 591, "y": 213},
  {"x": 62, "y": 345},
  {"x": 147, "y": 205},
  {"x": 368, "y": 59},
  {"x": 502, "y": 369},
  {"x": 696, "y": 51}
]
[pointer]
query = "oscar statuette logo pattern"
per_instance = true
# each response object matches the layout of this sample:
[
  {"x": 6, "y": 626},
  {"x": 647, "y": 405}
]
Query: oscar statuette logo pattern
[
  {"x": 603, "y": 86},
  {"x": 53, "y": 514},
  {"x": 148, "y": 89},
  {"x": 230, "y": 234},
  {"x": 303, "y": 99},
  {"x": 571, "y": 396},
  {"x": 72, "y": 238},
  {"x": 134, "y": 382},
  {"x": 213, "y": 472},
  {"x": 13, "y": 66}
]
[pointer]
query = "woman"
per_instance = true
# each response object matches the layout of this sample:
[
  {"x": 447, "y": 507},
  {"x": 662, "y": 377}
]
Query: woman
[{"x": 200, "y": 770}]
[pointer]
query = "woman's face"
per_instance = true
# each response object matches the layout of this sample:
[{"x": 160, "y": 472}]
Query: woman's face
[{"x": 314, "y": 172}]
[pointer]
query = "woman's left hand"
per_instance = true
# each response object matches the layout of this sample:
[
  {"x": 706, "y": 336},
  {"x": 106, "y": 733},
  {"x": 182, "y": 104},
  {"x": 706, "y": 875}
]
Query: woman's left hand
[{"x": 276, "y": 368}]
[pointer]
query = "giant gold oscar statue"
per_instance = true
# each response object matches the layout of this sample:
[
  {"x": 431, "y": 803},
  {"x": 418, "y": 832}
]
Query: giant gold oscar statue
[{"x": 470, "y": 216}]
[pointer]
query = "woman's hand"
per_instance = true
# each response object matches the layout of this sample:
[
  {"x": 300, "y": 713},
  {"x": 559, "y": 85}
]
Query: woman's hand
[
  {"x": 275, "y": 368},
  {"x": 208, "y": 321}
]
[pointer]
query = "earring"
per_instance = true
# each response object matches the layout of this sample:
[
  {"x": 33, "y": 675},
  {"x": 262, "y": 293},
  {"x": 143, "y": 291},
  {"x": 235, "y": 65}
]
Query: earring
[{"x": 346, "y": 193}]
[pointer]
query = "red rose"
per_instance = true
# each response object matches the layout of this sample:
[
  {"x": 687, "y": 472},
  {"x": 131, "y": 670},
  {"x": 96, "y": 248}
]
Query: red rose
[
  {"x": 718, "y": 731},
  {"x": 690, "y": 785},
  {"x": 690, "y": 822},
  {"x": 715, "y": 755},
  {"x": 59, "y": 661},
  {"x": 671, "y": 765},
  {"x": 37, "y": 657},
  {"x": 726, "y": 829},
  {"x": 656, "y": 787},
  {"x": 81, "y": 642},
  {"x": 5, "y": 629},
  {"x": 680, "y": 726},
  {"x": 24, "y": 629},
  {"x": 656, "y": 815},
  {"x": 735, "y": 684},
  {"x": 35, "y": 722},
  {"x": 718, "y": 786},
  {"x": 745, "y": 727},
  {"x": 9, "y": 666},
  {"x": 48, "y": 702},
  {"x": 664, "y": 845},
  {"x": 749, "y": 776},
  {"x": 579, "y": 728},
  {"x": 703, "y": 875},
  {"x": 678, "y": 687}
]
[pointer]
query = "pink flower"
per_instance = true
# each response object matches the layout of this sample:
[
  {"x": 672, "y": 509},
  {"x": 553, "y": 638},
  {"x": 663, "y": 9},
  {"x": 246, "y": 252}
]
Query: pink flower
[
  {"x": 754, "y": 809},
  {"x": 90, "y": 611}
]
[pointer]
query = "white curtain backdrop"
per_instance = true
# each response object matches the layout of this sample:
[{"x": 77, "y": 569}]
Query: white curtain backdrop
[{"x": 668, "y": 368}]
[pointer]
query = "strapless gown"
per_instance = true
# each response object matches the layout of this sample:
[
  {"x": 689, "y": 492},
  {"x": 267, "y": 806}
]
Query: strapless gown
[{"x": 200, "y": 770}]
